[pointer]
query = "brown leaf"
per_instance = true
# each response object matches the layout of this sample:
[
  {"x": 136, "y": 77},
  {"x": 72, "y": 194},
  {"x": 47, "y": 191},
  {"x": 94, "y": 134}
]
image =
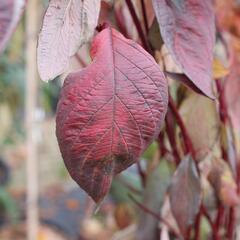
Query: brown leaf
[
  {"x": 200, "y": 115},
  {"x": 154, "y": 35},
  {"x": 66, "y": 26},
  {"x": 222, "y": 180},
  {"x": 185, "y": 194}
]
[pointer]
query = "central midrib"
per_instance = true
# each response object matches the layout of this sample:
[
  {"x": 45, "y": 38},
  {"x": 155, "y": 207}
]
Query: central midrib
[{"x": 114, "y": 89}]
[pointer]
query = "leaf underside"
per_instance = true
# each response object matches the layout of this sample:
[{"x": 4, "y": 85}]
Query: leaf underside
[
  {"x": 67, "y": 25},
  {"x": 10, "y": 13},
  {"x": 188, "y": 30},
  {"x": 110, "y": 112}
]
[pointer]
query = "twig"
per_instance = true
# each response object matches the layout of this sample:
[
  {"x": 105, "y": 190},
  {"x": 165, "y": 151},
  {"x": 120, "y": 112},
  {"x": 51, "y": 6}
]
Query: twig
[
  {"x": 218, "y": 221},
  {"x": 171, "y": 137},
  {"x": 79, "y": 59},
  {"x": 142, "y": 174},
  {"x": 213, "y": 226},
  {"x": 144, "y": 15},
  {"x": 197, "y": 226},
  {"x": 138, "y": 25},
  {"x": 128, "y": 185},
  {"x": 120, "y": 24},
  {"x": 162, "y": 148},
  {"x": 186, "y": 138},
  {"x": 155, "y": 215},
  {"x": 231, "y": 224}
]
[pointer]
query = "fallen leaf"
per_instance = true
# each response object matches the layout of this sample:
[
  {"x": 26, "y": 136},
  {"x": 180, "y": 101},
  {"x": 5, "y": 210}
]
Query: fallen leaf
[
  {"x": 188, "y": 30},
  {"x": 110, "y": 112},
  {"x": 185, "y": 194},
  {"x": 67, "y": 25}
]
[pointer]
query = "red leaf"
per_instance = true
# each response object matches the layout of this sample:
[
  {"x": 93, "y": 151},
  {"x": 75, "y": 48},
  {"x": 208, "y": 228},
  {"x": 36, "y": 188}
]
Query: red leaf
[
  {"x": 10, "y": 13},
  {"x": 187, "y": 28},
  {"x": 110, "y": 112},
  {"x": 185, "y": 194}
]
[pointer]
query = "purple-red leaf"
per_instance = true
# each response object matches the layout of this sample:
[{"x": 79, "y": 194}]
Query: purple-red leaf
[
  {"x": 185, "y": 194},
  {"x": 188, "y": 30},
  {"x": 66, "y": 26},
  {"x": 110, "y": 112},
  {"x": 10, "y": 13}
]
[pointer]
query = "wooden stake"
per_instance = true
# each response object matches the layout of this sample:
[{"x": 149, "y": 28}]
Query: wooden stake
[{"x": 30, "y": 104}]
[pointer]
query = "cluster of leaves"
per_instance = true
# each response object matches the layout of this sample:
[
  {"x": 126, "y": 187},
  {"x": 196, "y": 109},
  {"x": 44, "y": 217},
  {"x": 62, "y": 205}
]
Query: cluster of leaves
[{"x": 112, "y": 110}]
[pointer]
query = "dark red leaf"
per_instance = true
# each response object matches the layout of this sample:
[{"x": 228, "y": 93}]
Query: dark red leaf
[
  {"x": 183, "y": 79},
  {"x": 10, "y": 13},
  {"x": 185, "y": 194},
  {"x": 110, "y": 112},
  {"x": 188, "y": 30}
]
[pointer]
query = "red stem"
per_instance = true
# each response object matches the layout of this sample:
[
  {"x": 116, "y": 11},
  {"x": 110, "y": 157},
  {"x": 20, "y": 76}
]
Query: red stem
[
  {"x": 120, "y": 23},
  {"x": 156, "y": 216},
  {"x": 223, "y": 112},
  {"x": 218, "y": 222},
  {"x": 144, "y": 15},
  {"x": 223, "y": 108},
  {"x": 197, "y": 226},
  {"x": 124, "y": 182},
  {"x": 141, "y": 173},
  {"x": 172, "y": 138},
  {"x": 213, "y": 226},
  {"x": 186, "y": 138},
  {"x": 138, "y": 25},
  {"x": 162, "y": 148},
  {"x": 231, "y": 224}
]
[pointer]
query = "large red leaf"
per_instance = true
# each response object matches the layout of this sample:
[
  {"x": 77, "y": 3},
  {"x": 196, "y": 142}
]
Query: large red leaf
[
  {"x": 188, "y": 30},
  {"x": 110, "y": 112},
  {"x": 10, "y": 13}
]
